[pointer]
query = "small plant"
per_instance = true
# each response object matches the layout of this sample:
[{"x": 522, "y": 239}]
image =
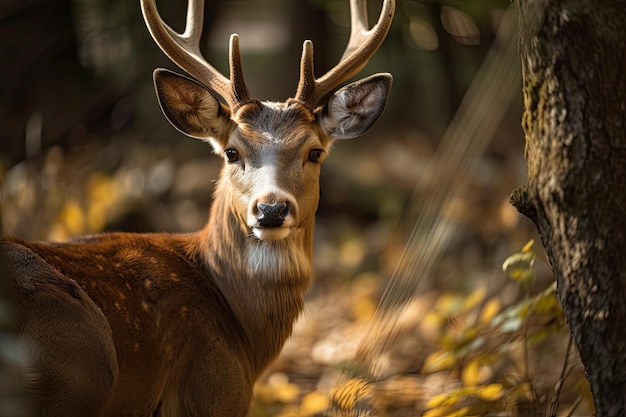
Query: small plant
[{"x": 502, "y": 358}]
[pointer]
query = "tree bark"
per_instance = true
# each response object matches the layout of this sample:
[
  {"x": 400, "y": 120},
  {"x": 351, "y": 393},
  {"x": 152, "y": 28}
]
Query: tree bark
[{"x": 573, "y": 55}]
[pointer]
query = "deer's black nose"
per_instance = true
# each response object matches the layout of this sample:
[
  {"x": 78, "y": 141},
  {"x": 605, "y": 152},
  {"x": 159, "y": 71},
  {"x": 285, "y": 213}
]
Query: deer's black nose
[{"x": 272, "y": 215}]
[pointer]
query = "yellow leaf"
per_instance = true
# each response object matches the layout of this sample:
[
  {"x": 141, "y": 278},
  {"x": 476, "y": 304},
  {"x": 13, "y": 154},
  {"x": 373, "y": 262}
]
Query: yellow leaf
[
  {"x": 547, "y": 302},
  {"x": 470, "y": 373},
  {"x": 438, "y": 361},
  {"x": 444, "y": 400},
  {"x": 491, "y": 392},
  {"x": 313, "y": 403},
  {"x": 103, "y": 194},
  {"x": 460, "y": 412},
  {"x": 287, "y": 393},
  {"x": 101, "y": 189},
  {"x": 489, "y": 311},
  {"x": 72, "y": 218},
  {"x": 96, "y": 218},
  {"x": 363, "y": 308},
  {"x": 520, "y": 267},
  {"x": 473, "y": 298},
  {"x": 433, "y": 319},
  {"x": 528, "y": 247},
  {"x": 281, "y": 389}
]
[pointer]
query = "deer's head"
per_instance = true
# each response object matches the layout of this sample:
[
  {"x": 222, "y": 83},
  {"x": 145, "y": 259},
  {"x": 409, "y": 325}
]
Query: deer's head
[{"x": 272, "y": 151}]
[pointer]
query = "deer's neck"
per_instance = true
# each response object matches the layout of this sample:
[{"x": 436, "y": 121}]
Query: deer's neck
[{"x": 263, "y": 281}]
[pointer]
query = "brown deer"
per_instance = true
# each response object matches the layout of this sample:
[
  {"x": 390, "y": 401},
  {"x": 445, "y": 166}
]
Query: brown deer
[{"x": 122, "y": 324}]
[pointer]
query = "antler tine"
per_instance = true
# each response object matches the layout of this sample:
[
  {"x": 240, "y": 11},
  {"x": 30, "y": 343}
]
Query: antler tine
[
  {"x": 358, "y": 25},
  {"x": 363, "y": 43},
  {"x": 194, "y": 23},
  {"x": 184, "y": 50},
  {"x": 239, "y": 91}
]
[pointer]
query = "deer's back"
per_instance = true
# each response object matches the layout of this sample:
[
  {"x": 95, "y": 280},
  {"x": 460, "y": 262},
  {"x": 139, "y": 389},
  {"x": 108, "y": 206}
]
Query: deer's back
[{"x": 136, "y": 302}]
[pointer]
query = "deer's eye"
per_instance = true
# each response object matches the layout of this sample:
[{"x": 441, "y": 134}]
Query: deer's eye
[
  {"x": 315, "y": 155},
  {"x": 231, "y": 155}
]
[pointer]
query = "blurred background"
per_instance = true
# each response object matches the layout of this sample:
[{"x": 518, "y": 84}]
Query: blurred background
[{"x": 84, "y": 149}]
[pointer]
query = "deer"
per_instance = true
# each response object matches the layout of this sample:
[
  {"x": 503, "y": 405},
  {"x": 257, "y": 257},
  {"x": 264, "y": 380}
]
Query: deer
[{"x": 182, "y": 324}]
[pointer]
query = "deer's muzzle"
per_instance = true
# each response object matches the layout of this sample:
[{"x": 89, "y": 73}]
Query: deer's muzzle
[{"x": 272, "y": 216}]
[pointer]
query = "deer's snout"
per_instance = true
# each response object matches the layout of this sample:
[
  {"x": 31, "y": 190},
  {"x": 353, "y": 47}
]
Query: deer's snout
[{"x": 271, "y": 216}]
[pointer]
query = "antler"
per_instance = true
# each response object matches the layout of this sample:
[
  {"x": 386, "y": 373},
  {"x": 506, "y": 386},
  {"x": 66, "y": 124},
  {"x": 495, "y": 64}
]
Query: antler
[
  {"x": 184, "y": 50},
  {"x": 363, "y": 43}
]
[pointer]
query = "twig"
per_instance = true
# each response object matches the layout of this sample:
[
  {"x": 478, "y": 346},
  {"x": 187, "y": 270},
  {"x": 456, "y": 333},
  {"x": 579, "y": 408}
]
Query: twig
[
  {"x": 554, "y": 401},
  {"x": 574, "y": 406}
]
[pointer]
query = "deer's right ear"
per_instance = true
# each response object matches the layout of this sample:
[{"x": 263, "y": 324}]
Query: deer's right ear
[{"x": 192, "y": 108}]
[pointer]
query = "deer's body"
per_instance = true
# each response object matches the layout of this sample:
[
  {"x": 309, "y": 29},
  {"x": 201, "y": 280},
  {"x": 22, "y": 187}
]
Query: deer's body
[
  {"x": 154, "y": 289},
  {"x": 122, "y": 324}
]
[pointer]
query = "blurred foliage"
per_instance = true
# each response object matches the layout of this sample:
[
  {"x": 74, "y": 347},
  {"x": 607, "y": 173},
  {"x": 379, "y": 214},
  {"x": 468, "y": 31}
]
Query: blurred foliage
[
  {"x": 480, "y": 355},
  {"x": 487, "y": 347},
  {"x": 84, "y": 149},
  {"x": 78, "y": 71}
]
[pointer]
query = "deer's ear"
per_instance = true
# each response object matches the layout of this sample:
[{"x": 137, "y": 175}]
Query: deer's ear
[
  {"x": 192, "y": 108},
  {"x": 353, "y": 109}
]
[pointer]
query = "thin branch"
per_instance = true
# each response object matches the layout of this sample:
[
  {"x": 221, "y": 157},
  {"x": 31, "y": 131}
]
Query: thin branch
[{"x": 554, "y": 401}]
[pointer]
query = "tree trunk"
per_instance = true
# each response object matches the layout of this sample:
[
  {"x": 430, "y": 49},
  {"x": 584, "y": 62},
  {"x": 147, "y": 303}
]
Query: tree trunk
[{"x": 573, "y": 56}]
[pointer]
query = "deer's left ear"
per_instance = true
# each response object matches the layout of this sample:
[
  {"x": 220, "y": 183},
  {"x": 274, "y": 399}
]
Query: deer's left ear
[{"x": 353, "y": 109}]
